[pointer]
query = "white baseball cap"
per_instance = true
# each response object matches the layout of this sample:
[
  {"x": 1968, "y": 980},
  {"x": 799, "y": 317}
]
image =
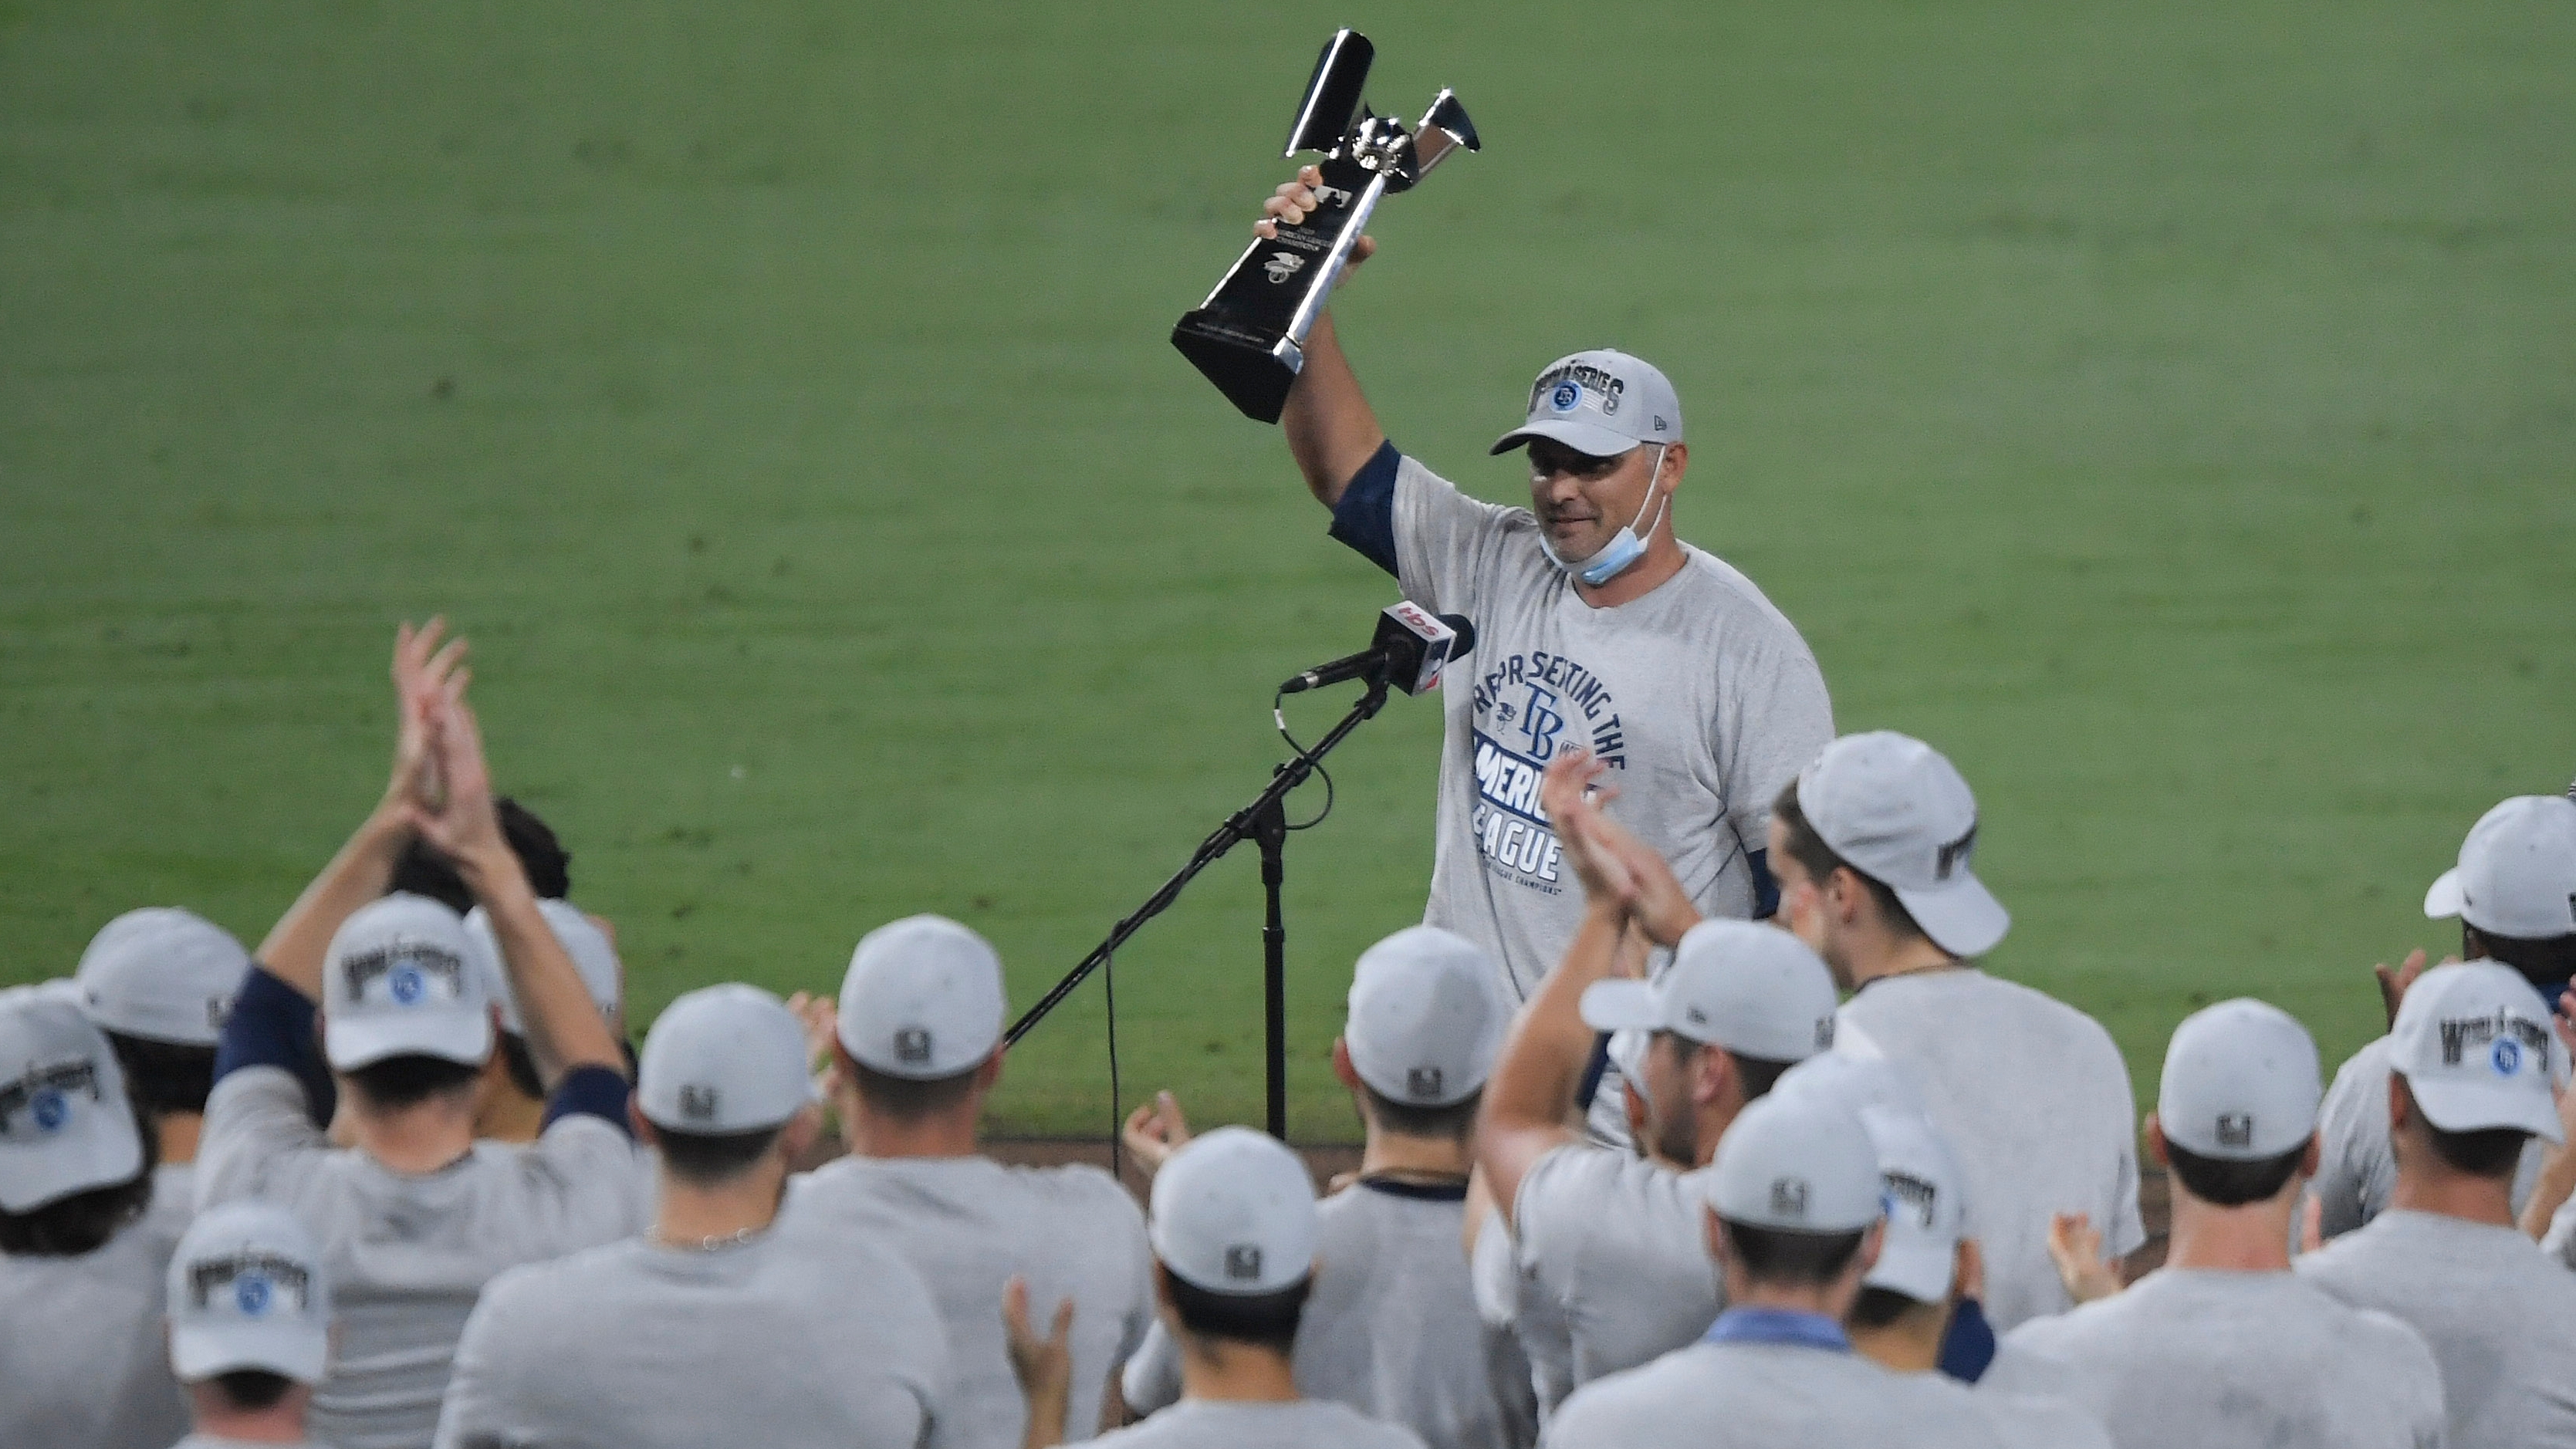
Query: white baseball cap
[
  {"x": 1755, "y": 990},
  {"x": 2473, "y": 1042},
  {"x": 1234, "y": 1212},
  {"x": 248, "y": 1289},
  {"x": 922, "y": 999},
  {"x": 723, "y": 1059},
  {"x": 2517, "y": 872},
  {"x": 1800, "y": 1163},
  {"x": 1600, "y": 402},
  {"x": 401, "y": 979},
  {"x": 2240, "y": 1083},
  {"x": 588, "y": 946},
  {"x": 1425, "y": 1019},
  {"x": 1903, "y": 816},
  {"x": 1927, "y": 1205},
  {"x": 162, "y": 973},
  {"x": 66, "y": 1125}
]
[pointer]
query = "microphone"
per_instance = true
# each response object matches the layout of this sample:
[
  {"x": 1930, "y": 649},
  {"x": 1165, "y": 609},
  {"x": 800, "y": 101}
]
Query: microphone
[{"x": 1411, "y": 648}]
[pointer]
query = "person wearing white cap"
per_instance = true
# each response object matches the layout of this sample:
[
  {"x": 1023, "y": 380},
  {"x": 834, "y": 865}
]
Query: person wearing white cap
[
  {"x": 511, "y": 1106},
  {"x": 1616, "y": 1239},
  {"x": 1390, "y": 1327},
  {"x": 81, "y": 1260},
  {"x": 1873, "y": 844},
  {"x": 709, "y": 1327},
  {"x": 1596, "y": 626},
  {"x": 160, "y": 981},
  {"x": 2224, "y": 1345},
  {"x": 417, "y": 1216},
  {"x": 2469, "y": 1084},
  {"x": 1234, "y": 1237},
  {"x": 917, "y": 1048},
  {"x": 1793, "y": 1210},
  {"x": 250, "y": 1325},
  {"x": 2514, "y": 892}
]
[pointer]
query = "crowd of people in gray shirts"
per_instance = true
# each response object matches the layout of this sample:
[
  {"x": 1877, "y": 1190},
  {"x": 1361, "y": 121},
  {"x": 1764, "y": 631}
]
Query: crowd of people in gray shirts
[{"x": 394, "y": 1181}]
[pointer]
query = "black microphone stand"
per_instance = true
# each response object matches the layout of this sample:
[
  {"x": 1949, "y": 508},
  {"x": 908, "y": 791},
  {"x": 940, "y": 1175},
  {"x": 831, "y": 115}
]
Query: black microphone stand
[{"x": 1265, "y": 822}]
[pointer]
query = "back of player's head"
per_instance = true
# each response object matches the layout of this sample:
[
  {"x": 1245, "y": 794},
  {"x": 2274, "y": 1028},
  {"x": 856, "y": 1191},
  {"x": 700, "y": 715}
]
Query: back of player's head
[
  {"x": 2514, "y": 888},
  {"x": 422, "y": 871},
  {"x": 2237, "y": 1103},
  {"x": 401, "y": 980},
  {"x": 1901, "y": 817},
  {"x": 2474, "y": 1045},
  {"x": 249, "y": 1301},
  {"x": 1754, "y": 990},
  {"x": 1234, "y": 1228},
  {"x": 1926, "y": 1192},
  {"x": 1425, "y": 1025},
  {"x": 1796, "y": 1189},
  {"x": 921, "y": 1011},
  {"x": 723, "y": 1071},
  {"x": 75, "y": 1164},
  {"x": 159, "y": 982}
]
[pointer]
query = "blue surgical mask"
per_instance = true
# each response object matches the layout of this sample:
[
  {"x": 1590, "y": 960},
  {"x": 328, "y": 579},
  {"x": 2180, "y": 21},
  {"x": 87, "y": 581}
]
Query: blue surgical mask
[{"x": 1624, "y": 547}]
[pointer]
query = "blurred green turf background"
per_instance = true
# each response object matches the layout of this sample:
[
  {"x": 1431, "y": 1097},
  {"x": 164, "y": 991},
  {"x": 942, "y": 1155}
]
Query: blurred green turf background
[{"x": 2166, "y": 410}]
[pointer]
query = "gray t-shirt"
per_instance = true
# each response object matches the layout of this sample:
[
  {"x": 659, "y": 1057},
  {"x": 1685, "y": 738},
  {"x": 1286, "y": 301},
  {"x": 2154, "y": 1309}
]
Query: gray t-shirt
[
  {"x": 2499, "y": 1315},
  {"x": 1701, "y": 696},
  {"x": 2032, "y": 1097},
  {"x": 635, "y": 1345},
  {"x": 408, "y": 1254},
  {"x": 82, "y": 1358},
  {"x": 1230, "y": 1424},
  {"x": 1390, "y": 1327},
  {"x": 1620, "y": 1244},
  {"x": 1769, "y": 1396},
  {"x": 2356, "y": 1170},
  {"x": 218, "y": 1441},
  {"x": 2203, "y": 1359},
  {"x": 1502, "y": 1296},
  {"x": 967, "y": 1224}
]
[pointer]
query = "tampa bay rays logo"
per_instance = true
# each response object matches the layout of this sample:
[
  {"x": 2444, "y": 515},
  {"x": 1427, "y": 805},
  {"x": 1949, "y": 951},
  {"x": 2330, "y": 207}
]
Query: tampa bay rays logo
[
  {"x": 1541, "y": 723},
  {"x": 2506, "y": 1056},
  {"x": 1566, "y": 398},
  {"x": 408, "y": 970},
  {"x": 1282, "y": 266},
  {"x": 255, "y": 1281}
]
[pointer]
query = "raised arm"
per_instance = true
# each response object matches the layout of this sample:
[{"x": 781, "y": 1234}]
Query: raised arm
[{"x": 1331, "y": 429}]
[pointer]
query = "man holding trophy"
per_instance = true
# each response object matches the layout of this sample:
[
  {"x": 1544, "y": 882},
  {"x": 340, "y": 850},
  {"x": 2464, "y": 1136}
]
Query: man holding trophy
[{"x": 1597, "y": 628}]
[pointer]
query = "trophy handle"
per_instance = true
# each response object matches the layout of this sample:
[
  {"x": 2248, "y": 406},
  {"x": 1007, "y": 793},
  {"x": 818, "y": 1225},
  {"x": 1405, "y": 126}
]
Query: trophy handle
[{"x": 1332, "y": 93}]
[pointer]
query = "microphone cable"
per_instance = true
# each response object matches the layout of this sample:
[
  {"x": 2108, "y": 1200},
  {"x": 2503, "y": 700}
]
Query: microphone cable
[{"x": 1279, "y": 717}]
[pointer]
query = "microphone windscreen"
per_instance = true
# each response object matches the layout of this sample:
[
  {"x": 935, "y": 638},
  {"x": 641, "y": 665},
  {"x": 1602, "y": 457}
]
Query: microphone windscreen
[{"x": 1464, "y": 628}]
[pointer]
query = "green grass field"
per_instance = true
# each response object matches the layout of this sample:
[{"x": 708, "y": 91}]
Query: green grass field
[{"x": 2169, "y": 411}]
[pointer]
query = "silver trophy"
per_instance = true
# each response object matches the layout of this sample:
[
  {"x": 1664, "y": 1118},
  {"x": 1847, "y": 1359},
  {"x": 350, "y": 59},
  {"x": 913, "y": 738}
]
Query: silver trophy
[{"x": 1249, "y": 335}]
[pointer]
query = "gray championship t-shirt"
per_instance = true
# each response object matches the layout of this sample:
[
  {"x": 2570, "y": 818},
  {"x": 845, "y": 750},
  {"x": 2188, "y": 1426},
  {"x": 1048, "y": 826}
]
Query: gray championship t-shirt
[
  {"x": 1509, "y": 1309},
  {"x": 2032, "y": 1097},
  {"x": 1620, "y": 1245},
  {"x": 2356, "y": 1171},
  {"x": 635, "y": 1345},
  {"x": 1769, "y": 1396},
  {"x": 2499, "y": 1315},
  {"x": 1297, "y": 1424},
  {"x": 1390, "y": 1327},
  {"x": 2203, "y": 1359},
  {"x": 967, "y": 1225},
  {"x": 82, "y": 1358},
  {"x": 408, "y": 1255},
  {"x": 1701, "y": 697}
]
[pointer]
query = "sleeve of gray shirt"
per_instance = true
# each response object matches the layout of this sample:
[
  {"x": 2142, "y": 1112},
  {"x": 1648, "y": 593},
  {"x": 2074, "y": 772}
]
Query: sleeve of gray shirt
[
  {"x": 256, "y": 1126},
  {"x": 1151, "y": 1381},
  {"x": 2353, "y": 1151},
  {"x": 1443, "y": 540},
  {"x": 1776, "y": 719}
]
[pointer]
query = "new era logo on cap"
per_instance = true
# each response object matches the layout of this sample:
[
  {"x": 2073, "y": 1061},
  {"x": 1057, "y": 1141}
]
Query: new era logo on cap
[
  {"x": 912, "y": 1045},
  {"x": 1243, "y": 1262},
  {"x": 1789, "y": 1197},
  {"x": 2235, "y": 1129},
  {"x": 698, "y": 1101}
]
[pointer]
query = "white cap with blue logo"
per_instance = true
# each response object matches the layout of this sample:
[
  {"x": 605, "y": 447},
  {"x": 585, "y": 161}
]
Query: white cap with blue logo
[
  {"x": 402, "y": 978},
  {"x": 66, "y": 1125},
  {"x": 2473, "y": 1041},
  {"x": 248, "y": 1290},
  {"x": 1602, "y": 402}
]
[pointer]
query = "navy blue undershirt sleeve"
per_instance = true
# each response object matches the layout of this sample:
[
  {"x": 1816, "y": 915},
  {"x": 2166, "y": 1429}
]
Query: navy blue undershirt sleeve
[
  {"x": 1592, "y": 1072},
  {"x": 1365, "y": 518},
  {"x": 1766, "y": 891},
  {"x": 1968, "y": 1349},
  {"x": 590, "y": 1090},
  {"x": 271, "y": 1025}
]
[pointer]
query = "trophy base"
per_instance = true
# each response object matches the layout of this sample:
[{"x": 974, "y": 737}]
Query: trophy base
[{"x": 1254, "y": 372}]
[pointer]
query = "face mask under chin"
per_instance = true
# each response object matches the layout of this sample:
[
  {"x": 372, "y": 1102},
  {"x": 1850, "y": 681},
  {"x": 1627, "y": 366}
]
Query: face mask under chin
[{"x": 1624, "y": 548}]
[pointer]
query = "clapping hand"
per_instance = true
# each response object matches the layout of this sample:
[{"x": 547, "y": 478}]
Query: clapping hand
[
  {"x": 2075, "y": 1245},
  {"x": 422, "y": 669},
  {"x": 1154, "y": 1131},
  {"x": 1571, "y": 793},
  {"x": 1044, "y": 1366}
]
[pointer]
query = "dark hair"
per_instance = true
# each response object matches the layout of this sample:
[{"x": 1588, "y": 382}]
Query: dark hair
[
  {"x": 395, "y": 1083},
  {"x": 2487, "y": 1152},
  {"x": 1882, "y": 1307},
  {"x": 521, "y": 1064},
  {"x": 424, "y": 872},
  {"x": 2544, "y": 961},
  {"x": 74, "y": 1226},
  {"x": 1758, "y": 1074},
  {"x": 1447, "y": 1124},
  {"x": 250, "y": 1390},
  {"x": 712, "y": 1159},
  {"x": 1784, "y": 1256},
  {"x": 166, "y": 1076},
  {"x": 1267, "y": 1319},
  {"x": 2227, "y": 1182},
  {"x": 909, "y": 1099},
  {"x": 1818, "y": 859}
]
